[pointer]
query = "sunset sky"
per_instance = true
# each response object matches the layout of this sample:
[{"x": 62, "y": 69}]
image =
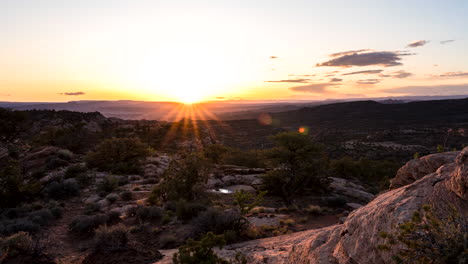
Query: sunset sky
[{"x": 62, "y": 50}]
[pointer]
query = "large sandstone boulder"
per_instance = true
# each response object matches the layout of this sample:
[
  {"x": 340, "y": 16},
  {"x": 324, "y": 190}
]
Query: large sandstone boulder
[
  {"x": 357, "y": 239},
  {"x": 417, "y": 168}
]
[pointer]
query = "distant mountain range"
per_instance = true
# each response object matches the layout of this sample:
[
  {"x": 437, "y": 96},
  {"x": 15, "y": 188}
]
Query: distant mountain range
[
  {"x": 374, "y": 115},
  {"x": 224, "y": 110}
]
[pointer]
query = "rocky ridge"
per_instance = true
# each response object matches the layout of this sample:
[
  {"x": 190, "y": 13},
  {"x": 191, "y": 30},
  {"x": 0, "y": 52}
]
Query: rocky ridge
[{"x": 356, "y": 240}]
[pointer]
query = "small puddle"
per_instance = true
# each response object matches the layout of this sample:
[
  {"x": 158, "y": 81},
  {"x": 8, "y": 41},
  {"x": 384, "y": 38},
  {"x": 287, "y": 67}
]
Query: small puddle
[{"x": 223, "y": 191}]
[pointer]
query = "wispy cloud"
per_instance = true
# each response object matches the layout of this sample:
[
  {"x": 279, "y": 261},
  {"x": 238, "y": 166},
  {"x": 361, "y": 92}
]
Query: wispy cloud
[
  {"x": 417, "y": 43},
  {"x": 399, "y": 74},
  {"x": 366, "y": 58},
  {"x": 317, "y": 88},
  {"x": 273, "y": 57},
  {"x": 291, "y": 81},
  {"x": 72, "y": 93},
  {"x": 454, "y": 74},
  {"x": 349, "y": 52},
  {"x": 363, "y": 72},
  {"x": 447, "y": 41},
  {"x": 369, "y": 81},
  {"x": 336, "y": 80}
]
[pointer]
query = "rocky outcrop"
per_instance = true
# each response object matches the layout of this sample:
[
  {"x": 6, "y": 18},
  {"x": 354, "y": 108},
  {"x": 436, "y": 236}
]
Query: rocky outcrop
[
  {"x": 37, "y": 157},
  {"x": 344, "y": 187},
  {"x": 417, "y": 168},
  {"x": 356, "y": 240}
]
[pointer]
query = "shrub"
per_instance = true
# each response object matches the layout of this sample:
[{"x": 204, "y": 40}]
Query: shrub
[
  {"x": 126, "y": 196},
  {"x": 56, "y": 211},
  {"x": 54, "y": 162},
  {"x": 149, "y": 214},
  {"x": 168, "y": 241},
  {"x": 218, "y": 222},
  {"x": 246, "y": 202},
  {"x": 91, "y": 208},
  {"x": 41, "y": 217},
  {"x": 17, "y": 225},
  {"x": 112, "y": 198},
  {"x": 111, "y": 238},
  {"x": 194, "y": 252},
  {"x": 107, "y": 185},
  {"x": 14, "y": 188},
  {"x": 65, "y": 154},
  {"x": 182, "y": 180},
  {"x": 62, "y": 190},
  {"x": 250, "y": 158},
  {"x": 314, "y": 209},
  {"x": 78, "y": 172},
  {"x": 20, "y": 243},
  {"x": 113, "y": 217},
  {"x": 374, "y": 172},
  {"x": 188, "y": 210},
  {"x": 299, "y": 164},
  {"x": 118, "y": 155},
  {"x": 166, "y": 219},
  {"x": 426, "y": 238},
  {"x": 86, "y": 223}
]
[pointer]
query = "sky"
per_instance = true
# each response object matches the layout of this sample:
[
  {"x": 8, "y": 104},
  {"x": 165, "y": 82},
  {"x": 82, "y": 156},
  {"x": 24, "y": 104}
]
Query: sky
[{"x": 189, "y": 51}]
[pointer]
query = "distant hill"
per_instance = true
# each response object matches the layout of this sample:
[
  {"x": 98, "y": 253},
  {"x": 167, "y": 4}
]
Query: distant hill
[{"x": 373, "y": 115}]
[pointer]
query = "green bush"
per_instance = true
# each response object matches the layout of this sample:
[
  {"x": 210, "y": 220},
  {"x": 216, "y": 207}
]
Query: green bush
[
  {"x": 126, "y": 196},
  {"x": 111, "y": 238},
  {"x": 112, "y": 198},
  {"x": 20, "y": 243},
  {"x": 182, "y": 180},
  {"x": 245, "y": 201},
  {"x": 375, "y": 173},
  {"x": 107, "y": 185},
  {"x": 218, "y": 222},
  {"x": 86, "y": 223},
  {"x": 149, "y": 214},
  {"x": 195, "y": 252},
  {"x": 14, "y": 187},
  {"x": 74, "y": 171},
  {"x": 187, "y": 210},
  {"x": 62, "y": 190},
  {"x": 427, "y": 238},
  {"x": 113, "y": 217},
  {"x": 118, "y": 155},
  {"x": 91, "y": 208},
  {"x": 299, "y": 165}
]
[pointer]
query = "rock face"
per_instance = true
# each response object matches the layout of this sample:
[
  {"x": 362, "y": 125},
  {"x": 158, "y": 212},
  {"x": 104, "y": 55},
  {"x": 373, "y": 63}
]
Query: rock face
[
  {"x": 417, "y": 168},
  {"x": 356, "y": 240},
  {"x": 347, "y": 188}
]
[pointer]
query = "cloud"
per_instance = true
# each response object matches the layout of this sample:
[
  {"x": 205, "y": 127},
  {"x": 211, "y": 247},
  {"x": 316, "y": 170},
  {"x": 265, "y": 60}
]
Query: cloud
[
  {"x": 73, "y": 93},
  {"x": 454, "y": 74},
  {"x": 291, "y": 81},
  {"x": 369, "y": 81},
  {"x": 349, "y": 52},
  {"x": 336, "y": 80},
  {"x": 302, "y": 75},
  {"x": 457, "y": 89},
  {"x": 447, "y": 41},
  {"x": 273, "y": 57},
  {"x": 317, "y": 88},
  {"x": 417, "y": 43},
  {"x": 367, "y": 58},
  {"x": 401, "y": 74},
  {"x": 363, "y": 72}
]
